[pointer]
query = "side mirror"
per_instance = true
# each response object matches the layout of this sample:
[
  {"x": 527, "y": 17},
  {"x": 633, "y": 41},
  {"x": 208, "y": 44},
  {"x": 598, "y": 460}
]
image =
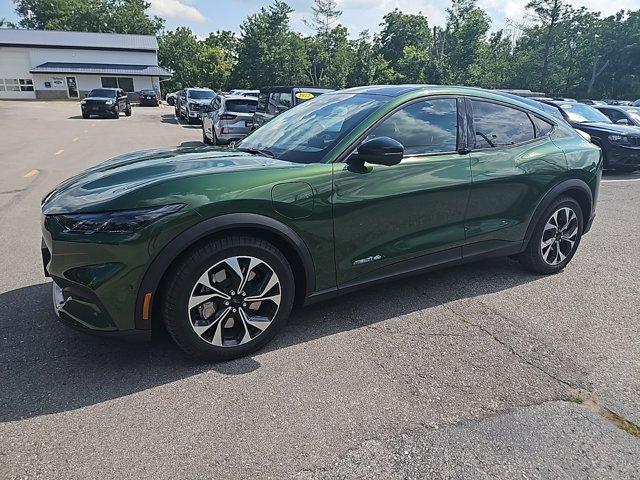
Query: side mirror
[
  {"x": 623, "y": 121},
  {"x": 378, "y": 151}
]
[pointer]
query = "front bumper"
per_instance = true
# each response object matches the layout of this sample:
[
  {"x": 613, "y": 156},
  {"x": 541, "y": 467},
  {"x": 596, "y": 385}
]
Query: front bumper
[
  {"x": 99, "y": 109},
  {"x": 81, "y": 310}
]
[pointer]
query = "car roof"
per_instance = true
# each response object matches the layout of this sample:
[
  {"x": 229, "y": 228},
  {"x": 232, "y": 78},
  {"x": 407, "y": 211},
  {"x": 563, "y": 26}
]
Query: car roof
[
  {"x": 199, "y": 88},
  {"x": 105, "y": 88},
  {"x": 239, "y": 97}
]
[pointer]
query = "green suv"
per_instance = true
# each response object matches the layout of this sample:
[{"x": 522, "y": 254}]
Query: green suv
[{"x": 349, "y": 189}]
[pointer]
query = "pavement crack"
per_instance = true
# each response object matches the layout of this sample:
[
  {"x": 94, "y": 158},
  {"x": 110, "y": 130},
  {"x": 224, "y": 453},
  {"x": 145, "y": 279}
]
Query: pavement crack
[{"x": 497, "y": 339}]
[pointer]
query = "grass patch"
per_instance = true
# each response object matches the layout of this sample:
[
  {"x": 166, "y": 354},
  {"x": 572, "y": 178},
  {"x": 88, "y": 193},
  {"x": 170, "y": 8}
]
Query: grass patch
[{"x": 575, "y": 398}]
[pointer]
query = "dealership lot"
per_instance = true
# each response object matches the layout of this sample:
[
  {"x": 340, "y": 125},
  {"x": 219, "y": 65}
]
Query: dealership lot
[{"x": 463, "y": 372}]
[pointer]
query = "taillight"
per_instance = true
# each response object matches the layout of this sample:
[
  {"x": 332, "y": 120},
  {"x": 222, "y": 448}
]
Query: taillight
[{"x": 226, "y": 116}]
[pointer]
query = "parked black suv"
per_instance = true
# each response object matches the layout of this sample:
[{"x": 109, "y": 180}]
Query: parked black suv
[
  {"x": 106, "y": 102},
  {"x": 620, "y": 144},
  {"x": 273, "y": 101}
]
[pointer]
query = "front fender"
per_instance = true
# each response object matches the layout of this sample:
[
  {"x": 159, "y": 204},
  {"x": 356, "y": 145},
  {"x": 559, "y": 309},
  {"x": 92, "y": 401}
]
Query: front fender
[{"x": 161, "y": 263}]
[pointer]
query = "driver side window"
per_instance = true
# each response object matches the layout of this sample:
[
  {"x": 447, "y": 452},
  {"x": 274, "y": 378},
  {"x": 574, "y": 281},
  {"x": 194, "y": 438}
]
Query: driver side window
[{"x": 428, "y": 126}]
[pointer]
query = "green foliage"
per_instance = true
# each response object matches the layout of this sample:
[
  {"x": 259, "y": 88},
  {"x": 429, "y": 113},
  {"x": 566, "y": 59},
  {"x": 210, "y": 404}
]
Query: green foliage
[
  {"x": 270, "y": 53},
  {"x": 110, "y": 16}
]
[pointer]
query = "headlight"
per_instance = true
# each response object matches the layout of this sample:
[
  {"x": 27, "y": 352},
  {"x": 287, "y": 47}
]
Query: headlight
[
  {"x": 83, "y": 102},
  {"x": 118, "y": 222},
  {"x": 621, "y": 139},
  {"x": 109, "y": 102}
]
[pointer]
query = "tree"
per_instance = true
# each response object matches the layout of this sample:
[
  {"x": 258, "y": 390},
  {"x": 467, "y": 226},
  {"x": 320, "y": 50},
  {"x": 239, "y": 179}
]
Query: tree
[
  {"x": 270, "y": 53},
  {"x": 109, "y": 16},
  {"x": 178, "y": 51},
  {"x": 465, "y": 34},
  {"x": 325, "y": 15},
  {"x": 400, "y": 30},
  {"x": 369, "y": 66},
  {"x": 549, "y": 13}
]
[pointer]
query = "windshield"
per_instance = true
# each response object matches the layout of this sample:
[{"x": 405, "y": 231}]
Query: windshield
[
  {"x": 200, "y": 94},
  {"x": 241, "y": 106},
  {"x": 580, "y": 113},
  {"x": 306, "y": 133},
  {"x": 102, "y": 92}
]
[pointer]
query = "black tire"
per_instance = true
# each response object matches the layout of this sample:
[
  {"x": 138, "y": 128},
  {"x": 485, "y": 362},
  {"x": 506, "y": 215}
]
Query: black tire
[
  {"x": 205, "y": 139},
  {"x": 86, "y": 115},
  {"x": 214, "y": 140},
  {"x": 171, "y": 102},
  {"x": 127, "y": 112},
  {"x": 115, "y": 114},
  {"x": 532, "y": 258},
  {"x": 195, "y": 262}
]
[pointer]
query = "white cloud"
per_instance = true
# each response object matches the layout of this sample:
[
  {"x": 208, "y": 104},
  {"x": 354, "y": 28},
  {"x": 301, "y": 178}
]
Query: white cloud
[{"x": 178, "y": 9}]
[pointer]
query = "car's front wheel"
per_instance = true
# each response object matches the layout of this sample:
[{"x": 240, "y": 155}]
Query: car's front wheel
[
  {"x": 555, "y": 238},
  {"x": 228, "y": 297},
  {"x": 205, "y": 139}
]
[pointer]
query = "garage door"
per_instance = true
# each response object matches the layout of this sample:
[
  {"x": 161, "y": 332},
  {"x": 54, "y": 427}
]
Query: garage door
[{"x": 15, "y": 80}]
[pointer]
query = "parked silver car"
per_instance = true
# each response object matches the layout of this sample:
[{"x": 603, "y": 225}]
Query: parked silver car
[
  {"x": 227, "y": 119},
  {"x": 191, "y": 102}
]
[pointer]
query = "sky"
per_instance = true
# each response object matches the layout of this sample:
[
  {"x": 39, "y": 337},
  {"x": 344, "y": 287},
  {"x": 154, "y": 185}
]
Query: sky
[{"x": 204, "y": 16}]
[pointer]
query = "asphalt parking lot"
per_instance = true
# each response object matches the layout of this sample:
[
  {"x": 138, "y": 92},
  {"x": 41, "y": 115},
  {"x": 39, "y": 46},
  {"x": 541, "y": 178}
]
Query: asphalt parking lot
[{"x": 480, "y": 371}]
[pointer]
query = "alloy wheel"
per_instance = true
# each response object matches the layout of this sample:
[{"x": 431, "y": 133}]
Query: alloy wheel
[
  {"x": 234, "y": 301},
  {"x": 559, "y": 236}
]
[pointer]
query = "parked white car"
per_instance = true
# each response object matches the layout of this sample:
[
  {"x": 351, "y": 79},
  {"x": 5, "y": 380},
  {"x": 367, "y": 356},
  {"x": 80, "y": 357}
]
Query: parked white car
[{"x": 170, "y": 98}]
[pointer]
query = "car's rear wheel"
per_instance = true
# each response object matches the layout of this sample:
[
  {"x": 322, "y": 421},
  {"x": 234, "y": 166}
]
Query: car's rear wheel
[
  {"x": 127, "y": 112},
  {"x": 556, "y": 237},
  {"x": 228, "y": 297}
]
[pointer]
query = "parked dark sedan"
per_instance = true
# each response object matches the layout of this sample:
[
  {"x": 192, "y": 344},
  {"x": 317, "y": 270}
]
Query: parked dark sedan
[
  {"x": 106, "y": 102},
  {"x": 273, "y": 101},
  {"x": 620, "y": 144},
  {"x": 622, "y": 115},
  {"x": 149, "y": 97}
]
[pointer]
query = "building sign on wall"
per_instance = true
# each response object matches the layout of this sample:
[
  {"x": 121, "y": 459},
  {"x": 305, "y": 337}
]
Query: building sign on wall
[
  {"x": 58, "y": 81},
  {"x": 47, "y": 84}
]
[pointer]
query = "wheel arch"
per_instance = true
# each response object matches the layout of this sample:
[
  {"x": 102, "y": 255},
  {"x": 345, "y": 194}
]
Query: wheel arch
[
  {"x": 280, "y": 235},
  {"x": 575, "y": 188}
]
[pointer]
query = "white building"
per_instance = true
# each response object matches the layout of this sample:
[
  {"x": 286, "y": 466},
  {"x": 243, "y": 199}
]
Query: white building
[{"x": 41, "y": 64}]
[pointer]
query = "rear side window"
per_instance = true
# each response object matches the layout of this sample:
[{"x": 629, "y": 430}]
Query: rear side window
[
  {"x": 499, "y": 126},
  {"x": 425, "y": 127},
  {"x": 241, "y": 106},
  {"x": 542, "y": 127}
]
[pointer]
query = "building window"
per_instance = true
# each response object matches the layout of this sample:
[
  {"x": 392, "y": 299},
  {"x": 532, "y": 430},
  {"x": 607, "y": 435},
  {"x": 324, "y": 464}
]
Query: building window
[
  {"x": 125, "y": 83},
  {"x": 26, "y": 85},
  {"x": 11, "y": 85},
  {"x": 16, "y": 85}
]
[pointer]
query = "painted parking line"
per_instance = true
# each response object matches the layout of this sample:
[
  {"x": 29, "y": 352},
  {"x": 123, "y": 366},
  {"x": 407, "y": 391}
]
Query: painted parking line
[
  {"x": 75, "y": 139},
  {"x": 31, "y": 173},
  {"x": 621, "y": 180},
  {"x": 59, "y": 152}
]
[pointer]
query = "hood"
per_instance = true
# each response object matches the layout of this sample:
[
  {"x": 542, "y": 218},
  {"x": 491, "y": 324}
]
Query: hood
[
  {"x": 91, "y": 189},
  {"x": 608, "y": 128},
  {"x": 102, "y": 99},
  {"x": 199, "y": 100}
]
